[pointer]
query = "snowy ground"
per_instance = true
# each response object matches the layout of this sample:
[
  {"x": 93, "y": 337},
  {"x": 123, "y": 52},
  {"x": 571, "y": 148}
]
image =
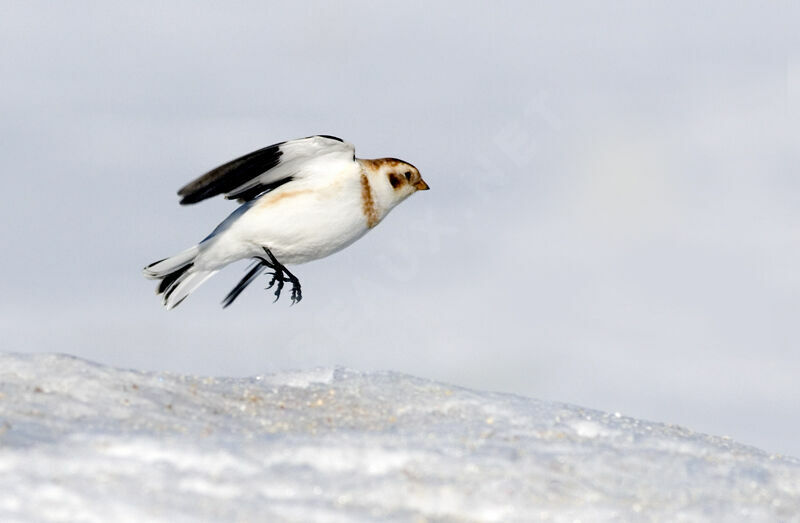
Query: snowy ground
[{"x": 84, "y": 442}]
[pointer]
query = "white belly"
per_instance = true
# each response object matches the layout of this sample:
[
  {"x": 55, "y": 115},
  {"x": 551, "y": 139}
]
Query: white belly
[{"x": 297, "y": 224}]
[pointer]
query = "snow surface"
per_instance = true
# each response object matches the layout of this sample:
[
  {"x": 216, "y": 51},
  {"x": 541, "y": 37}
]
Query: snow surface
[{"x": 85, "y": 442}]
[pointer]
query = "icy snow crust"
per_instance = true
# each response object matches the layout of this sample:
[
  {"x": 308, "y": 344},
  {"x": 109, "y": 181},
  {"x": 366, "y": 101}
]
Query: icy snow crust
[{"x": 84, "y": 442}]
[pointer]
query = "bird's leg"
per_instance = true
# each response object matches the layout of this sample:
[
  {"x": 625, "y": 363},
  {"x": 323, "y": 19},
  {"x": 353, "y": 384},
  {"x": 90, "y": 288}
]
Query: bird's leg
[{"x": 280, "y": 271}]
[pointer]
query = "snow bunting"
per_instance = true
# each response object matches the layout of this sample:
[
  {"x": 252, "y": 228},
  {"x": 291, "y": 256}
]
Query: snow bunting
[{"x": 301, "y": 200}]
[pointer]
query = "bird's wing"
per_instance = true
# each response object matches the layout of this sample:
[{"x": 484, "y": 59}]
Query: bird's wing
[{"x": 265, "y": 169}]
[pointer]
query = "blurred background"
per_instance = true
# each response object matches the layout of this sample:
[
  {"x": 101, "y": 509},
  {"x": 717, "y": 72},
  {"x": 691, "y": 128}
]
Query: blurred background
[{"x": 613, "y": 222}]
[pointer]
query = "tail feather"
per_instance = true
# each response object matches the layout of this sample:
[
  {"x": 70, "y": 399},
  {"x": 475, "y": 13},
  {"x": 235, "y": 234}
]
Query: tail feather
[
  {"x": 183, "y": 285},
  {"x": 179, "y": 276},
  {"x": 162, "y": 268},
  {"x": 171, "y": 278}
]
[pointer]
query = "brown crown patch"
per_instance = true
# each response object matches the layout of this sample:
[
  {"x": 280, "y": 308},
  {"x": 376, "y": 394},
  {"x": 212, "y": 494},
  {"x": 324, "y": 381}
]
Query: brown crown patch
[{"x": 384, "y": 162}]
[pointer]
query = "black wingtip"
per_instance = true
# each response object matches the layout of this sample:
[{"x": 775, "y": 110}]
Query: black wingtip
[
  {"x": 231, "y": 175},
  {"x": 195, "y": 197},
  {"x": 248, "y": 278}
]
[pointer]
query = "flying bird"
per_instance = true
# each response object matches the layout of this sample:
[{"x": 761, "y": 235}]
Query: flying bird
[{"x": 301, "y": 200}]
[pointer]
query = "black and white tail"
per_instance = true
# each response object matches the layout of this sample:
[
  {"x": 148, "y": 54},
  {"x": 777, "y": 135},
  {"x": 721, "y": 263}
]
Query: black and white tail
[{"x": 178, "y": 275}]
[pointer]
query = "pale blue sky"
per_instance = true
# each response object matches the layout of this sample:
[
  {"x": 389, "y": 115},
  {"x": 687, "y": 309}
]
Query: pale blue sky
[{"x": 614, "y": 216}]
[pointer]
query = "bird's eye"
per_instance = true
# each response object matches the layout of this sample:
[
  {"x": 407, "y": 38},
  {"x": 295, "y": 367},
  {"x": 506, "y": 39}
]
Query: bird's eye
[{"x": 408, "y": 175}]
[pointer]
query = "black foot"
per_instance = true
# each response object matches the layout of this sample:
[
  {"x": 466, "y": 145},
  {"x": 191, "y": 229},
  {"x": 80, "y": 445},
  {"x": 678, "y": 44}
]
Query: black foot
[{"x": 279, "y": 276}]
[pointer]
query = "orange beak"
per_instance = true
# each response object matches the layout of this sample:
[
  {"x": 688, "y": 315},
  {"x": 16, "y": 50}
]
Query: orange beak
[{"x": 421, "y": 185}]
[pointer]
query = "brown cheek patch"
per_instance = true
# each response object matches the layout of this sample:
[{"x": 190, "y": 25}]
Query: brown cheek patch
[
  {"x": 368, "y": 204},
  {"x": 395, "y": 180}
]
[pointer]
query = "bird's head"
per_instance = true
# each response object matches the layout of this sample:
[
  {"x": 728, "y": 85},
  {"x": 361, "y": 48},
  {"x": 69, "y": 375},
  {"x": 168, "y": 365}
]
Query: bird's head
[{"x": 395, "y": 180}]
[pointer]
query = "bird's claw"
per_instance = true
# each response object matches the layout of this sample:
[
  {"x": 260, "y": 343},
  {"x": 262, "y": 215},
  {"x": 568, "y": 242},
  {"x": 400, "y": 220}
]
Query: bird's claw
[
  {"x": 279, "y": 277},
  {"x": 272, "y": 281},
  {"x": 297, "y": 294},
  {"x": 279, "y": 288}
]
